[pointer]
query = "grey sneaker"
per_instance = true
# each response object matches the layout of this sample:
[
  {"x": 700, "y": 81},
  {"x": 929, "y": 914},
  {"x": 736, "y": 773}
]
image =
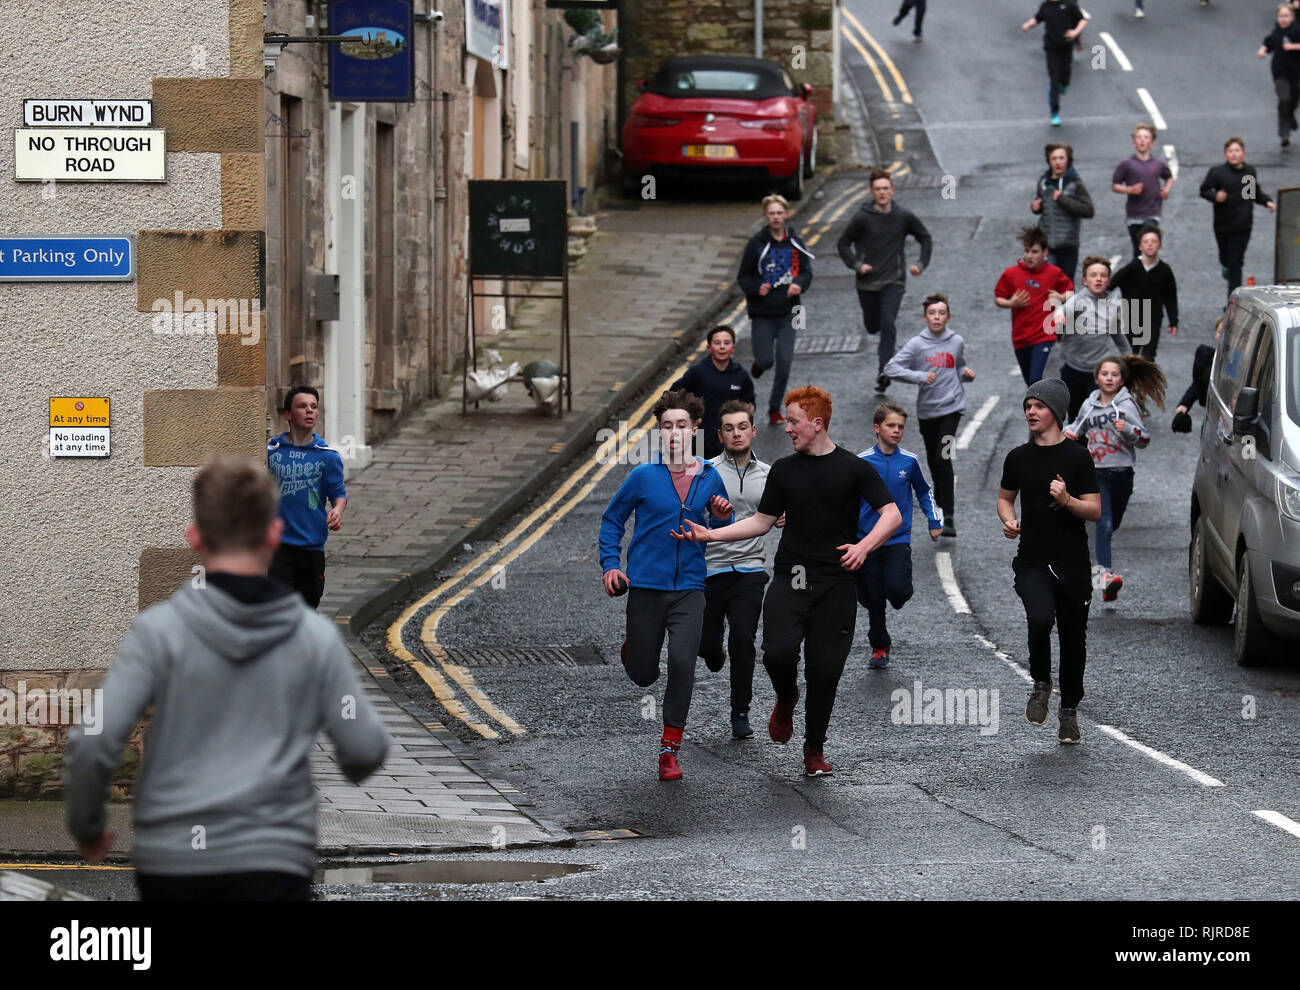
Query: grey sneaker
[
  {"x": 1069, "y": 731},
  {"x": 1036, "y": 710}
]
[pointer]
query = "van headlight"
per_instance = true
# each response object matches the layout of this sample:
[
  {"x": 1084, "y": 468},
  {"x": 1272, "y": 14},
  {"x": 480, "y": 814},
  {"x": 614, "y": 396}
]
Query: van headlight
[{"x": 1288, "y": 496}]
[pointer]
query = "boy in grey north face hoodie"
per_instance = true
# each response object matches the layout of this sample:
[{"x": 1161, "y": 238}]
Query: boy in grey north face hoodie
[{"x": 242, "y": 676}]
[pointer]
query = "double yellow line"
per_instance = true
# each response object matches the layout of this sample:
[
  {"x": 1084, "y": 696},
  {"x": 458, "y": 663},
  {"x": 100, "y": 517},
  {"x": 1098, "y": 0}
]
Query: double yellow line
[
  {"x": 444, "y": 678},
  {"x": 897, "y": 167}
]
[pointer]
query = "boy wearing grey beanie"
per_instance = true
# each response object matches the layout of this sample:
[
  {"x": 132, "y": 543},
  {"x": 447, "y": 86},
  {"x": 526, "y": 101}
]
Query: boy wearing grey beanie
[{"x": 1057, "y": 487}]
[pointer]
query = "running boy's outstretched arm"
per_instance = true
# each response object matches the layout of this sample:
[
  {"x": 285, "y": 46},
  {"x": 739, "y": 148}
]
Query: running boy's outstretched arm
[
  {"x": 1086, "y": 507},
  {"x": 1007, "y": 512},
  {"x": 964, "y": 372},
  {"x": 1129, "y": 425},
  {"x": 756, "y": 525},
  {"x": 925, "y": 496},
  {"x": 902, "y": 366},
  {"x": 347, "y": 717},
  {"x": 335, "y": 491},
  {"x": 614, "y": 522},
  {"x": 855, "y": 554},
  {"x": 844, "y": 246},
  {"x": 91, "y": 759},
  {"x": 749, "y": 278}
]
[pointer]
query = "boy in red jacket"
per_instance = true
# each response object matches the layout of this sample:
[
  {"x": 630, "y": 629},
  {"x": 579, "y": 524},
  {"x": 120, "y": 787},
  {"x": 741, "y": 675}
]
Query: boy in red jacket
[{"x": 1031, "y": 289}]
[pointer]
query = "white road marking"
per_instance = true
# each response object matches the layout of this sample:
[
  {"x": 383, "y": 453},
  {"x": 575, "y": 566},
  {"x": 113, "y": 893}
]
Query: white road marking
[
  {"x": 1155, "y": 754},
  {"x": 1171, "y": 156},
  {"x": 1115, "y": 259},
  {"x": 1020, "y": 671},
  {"x": 1152, "y": 109},
  {"x": 968, "y": 434},
  {"x": 1280, "y": 820},
  {"x": 943, "y": 562},
  {"x": 1014, "y": 371},
  {"x": 1120, "y": 57}
]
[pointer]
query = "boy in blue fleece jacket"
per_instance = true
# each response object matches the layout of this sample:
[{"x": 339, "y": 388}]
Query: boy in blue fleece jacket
[
  {"x": 308, "y": 471},
  {"x": 886, "y": 576},
  {"x": 666, "y": 577}
]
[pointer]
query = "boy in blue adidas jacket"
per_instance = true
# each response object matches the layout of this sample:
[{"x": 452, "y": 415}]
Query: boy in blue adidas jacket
[
  {"x": 887, "y": 574},
  {"x": 666, "y": 576}
]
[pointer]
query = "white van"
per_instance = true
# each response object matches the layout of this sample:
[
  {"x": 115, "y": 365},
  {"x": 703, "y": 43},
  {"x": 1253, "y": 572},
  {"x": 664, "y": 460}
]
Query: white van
[{"x": 1244, "y": 554}]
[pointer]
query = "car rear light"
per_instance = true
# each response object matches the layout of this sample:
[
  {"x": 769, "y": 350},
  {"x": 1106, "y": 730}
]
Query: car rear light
[
  {"x": 776, "y": 124},
  {"x": 641, "y": 120}
]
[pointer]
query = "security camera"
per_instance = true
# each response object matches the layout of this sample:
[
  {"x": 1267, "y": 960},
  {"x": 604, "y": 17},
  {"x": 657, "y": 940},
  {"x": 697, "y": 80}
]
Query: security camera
[{"x": 433, "y": 16}]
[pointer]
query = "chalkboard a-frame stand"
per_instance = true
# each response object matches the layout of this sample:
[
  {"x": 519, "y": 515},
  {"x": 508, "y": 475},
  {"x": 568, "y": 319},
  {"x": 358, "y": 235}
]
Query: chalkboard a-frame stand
[{"x": 518, "y": 229}]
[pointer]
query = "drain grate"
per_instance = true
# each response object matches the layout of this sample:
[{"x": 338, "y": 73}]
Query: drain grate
[
  {"x": 827, "y": 343},
  {"x": 525, "y": 656}
]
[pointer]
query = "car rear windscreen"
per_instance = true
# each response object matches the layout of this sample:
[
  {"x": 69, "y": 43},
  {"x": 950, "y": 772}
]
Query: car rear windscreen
[{"x": 747, "y": 84}]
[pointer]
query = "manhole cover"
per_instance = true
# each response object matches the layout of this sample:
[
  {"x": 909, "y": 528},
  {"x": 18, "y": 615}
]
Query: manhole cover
[
  {"x": 821, "y": 343},
  {"x": 524, "y": 656}
]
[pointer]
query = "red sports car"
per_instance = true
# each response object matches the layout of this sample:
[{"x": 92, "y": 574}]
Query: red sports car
[{"x": 721, "y": 115}]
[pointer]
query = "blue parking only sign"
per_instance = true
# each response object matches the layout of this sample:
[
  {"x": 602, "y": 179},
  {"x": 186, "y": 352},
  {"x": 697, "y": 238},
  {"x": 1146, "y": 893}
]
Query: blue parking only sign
[{"x": 66, "y": 258}]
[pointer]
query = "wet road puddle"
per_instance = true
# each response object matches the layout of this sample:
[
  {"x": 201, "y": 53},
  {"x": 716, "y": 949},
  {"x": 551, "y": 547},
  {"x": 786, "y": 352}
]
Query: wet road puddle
[{"x": 476, "y": 871}]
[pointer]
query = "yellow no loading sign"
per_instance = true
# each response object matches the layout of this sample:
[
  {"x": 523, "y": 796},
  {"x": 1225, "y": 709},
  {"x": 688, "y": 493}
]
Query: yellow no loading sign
[{"x": 79, "y": 427}]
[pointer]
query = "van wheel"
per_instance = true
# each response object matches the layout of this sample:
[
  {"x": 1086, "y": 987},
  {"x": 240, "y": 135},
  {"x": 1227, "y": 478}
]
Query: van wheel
[
  {"x": 792, "y": 188},
  {"x": 1251, "y": 642},
  {"x": 1210, "y": 604}
]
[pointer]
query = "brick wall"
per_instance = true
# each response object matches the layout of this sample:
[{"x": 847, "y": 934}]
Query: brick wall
[{"x": 31, "y": 755}]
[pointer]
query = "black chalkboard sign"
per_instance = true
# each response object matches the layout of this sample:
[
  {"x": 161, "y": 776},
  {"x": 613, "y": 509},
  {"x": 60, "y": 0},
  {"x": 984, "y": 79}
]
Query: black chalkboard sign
[{"x": 517, "y": 228}]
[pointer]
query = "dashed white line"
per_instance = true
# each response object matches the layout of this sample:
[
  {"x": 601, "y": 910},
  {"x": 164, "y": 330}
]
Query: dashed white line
[
  {"x": 1152, "y": 109},
  {"x": 1020, "y": 671},
  {"x": 1171, "y": 156},
  {"x": 943, "y": 562},
  {"x": 1155, "y": 754},
  {"x": 1280, "y": 820},
  {"x": 1115, "y": 259},
  {"x": 1120, "y": 57},
  {"x": 968, "y": 434}
]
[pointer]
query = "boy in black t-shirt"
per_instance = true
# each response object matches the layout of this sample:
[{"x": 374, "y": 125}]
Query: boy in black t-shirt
[
  {"x": 1064, "y": 23},
  {"x": 1057, "y": 486},
  {"x": 812, "y": 600}
]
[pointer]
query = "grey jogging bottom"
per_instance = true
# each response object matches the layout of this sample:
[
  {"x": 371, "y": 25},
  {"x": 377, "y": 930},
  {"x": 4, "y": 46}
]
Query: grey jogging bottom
[{"x": 650, "y": 615}]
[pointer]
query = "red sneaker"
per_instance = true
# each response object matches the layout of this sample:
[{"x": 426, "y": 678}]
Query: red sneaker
[
  {"x": 669, "y": 768},
  {"x": 781, "y": 725},
  {"x": 774, "y": 417},
  {"x": 815, "y": 765},
  {"x": 1111, "y": 583}
]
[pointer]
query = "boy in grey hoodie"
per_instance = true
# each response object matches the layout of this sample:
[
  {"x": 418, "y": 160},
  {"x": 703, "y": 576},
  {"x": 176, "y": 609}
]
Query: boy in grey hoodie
[
  {"x": 1090, "y": 325},
  {"x": 737, "y": 572},
  {"x": 935, "y": 359},
  {"x": 1111, "y": 424},
  {"x": 242, "y": 676}
]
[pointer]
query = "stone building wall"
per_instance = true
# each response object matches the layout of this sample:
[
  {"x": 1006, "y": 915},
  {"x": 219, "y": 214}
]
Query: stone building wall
[
  {"x": 796, "y": 33},
  {"x": 89, "y": 541}
]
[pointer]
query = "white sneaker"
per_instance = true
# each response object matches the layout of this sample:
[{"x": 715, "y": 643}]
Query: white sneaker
[{"x": 1139, "y": 13}]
